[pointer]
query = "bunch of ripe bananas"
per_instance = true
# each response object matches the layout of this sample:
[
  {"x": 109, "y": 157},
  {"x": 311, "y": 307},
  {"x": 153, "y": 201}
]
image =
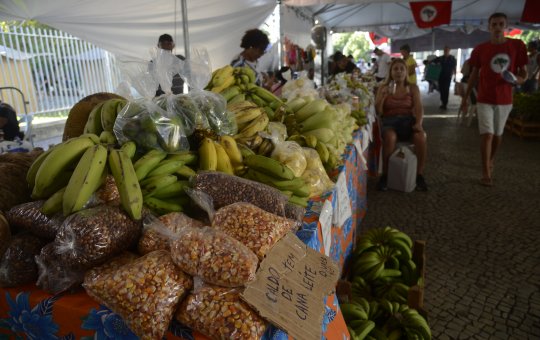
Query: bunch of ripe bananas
[
  {"x": 69, "y": 173},
  {"x": 237, "y": 84}
]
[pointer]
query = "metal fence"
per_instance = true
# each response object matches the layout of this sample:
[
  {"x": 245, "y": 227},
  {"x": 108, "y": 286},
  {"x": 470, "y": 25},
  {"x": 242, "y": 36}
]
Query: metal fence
[{"x": 53, "y": 69}]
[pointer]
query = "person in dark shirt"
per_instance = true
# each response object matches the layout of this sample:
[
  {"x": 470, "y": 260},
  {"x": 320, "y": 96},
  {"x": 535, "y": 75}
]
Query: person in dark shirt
[
  {"x": 166, "y": 42},
  {"x": 342, "y": 64},
  {"x": 9, "y": 123},
  {"x": 254, "y": 42},
  {"x": 448, "y": 70}
]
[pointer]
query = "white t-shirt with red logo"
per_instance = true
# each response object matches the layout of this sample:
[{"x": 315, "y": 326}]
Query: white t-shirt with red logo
[{"x": 492, "y": 60}]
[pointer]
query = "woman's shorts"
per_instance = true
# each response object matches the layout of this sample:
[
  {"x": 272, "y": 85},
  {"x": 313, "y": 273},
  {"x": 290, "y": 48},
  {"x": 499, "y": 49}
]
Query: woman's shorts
[{"x": 402, "y": 125}]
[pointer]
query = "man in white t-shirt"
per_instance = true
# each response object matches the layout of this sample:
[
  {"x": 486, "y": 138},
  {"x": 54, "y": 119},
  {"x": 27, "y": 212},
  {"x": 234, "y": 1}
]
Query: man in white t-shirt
[{"x": 383, "y": 63}]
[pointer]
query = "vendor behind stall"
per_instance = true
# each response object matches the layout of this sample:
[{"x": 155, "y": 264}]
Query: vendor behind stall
[
  {"x": 9, "y": 125},
  {"x": 254, "y": 42}
]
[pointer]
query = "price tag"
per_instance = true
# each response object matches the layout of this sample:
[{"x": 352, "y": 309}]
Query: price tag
[
  {"x": 325, "y": 219},
  {"x": 343, "y": 202}
]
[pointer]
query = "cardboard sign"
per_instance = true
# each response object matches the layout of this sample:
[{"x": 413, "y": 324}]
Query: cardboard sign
[{"x": 290, "y": 286}]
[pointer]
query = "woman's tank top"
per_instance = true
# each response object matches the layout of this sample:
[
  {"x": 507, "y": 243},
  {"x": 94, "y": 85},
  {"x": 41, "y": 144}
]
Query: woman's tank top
[{"x": 398, "y": 105}]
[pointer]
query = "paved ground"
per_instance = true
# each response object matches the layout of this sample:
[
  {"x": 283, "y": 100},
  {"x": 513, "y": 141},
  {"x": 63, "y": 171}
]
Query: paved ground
[{"x": 483, "y": 250}]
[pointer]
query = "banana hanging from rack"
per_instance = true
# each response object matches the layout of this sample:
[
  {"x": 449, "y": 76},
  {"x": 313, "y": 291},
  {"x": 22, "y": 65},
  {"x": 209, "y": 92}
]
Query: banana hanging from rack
[
  {"x": 127, "y": 183},
  {"x": 88, "y": 175},
  {"x": 53, "y": 167}
]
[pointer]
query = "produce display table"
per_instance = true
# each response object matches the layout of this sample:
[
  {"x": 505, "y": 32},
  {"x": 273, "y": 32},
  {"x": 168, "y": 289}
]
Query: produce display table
[{"x": 329, "y": 226}]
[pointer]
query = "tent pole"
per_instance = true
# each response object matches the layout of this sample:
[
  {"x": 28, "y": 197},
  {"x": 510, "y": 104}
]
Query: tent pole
[{"x": 185, "y": 29}]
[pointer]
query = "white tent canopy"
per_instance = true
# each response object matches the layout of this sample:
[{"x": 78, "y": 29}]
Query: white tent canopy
[
  {"x": 394, "y": 19},
  {"x": 130, "y": 28}
]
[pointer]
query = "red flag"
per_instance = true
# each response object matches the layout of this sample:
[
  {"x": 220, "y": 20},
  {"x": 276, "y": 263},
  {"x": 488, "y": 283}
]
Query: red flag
[
  {"x": 377, "y": 39},
  {"x": 531, "y": 11},
  {"x": 431, "y": 13}
]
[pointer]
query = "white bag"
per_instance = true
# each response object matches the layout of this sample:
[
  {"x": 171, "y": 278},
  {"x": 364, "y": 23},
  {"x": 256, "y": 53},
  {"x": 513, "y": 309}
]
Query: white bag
[{"x": 402, "y": 170}]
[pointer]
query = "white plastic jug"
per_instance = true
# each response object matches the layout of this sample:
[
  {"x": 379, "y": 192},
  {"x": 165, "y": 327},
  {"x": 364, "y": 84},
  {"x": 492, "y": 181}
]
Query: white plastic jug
[{"x": 402, "y": 170}]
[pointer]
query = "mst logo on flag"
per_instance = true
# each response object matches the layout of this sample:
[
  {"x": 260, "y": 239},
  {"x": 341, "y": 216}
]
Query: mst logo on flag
[{"x": 431, "y": 13}]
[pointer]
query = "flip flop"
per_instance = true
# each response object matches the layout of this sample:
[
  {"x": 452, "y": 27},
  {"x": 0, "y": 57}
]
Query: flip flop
[{"x": 487, "y": 182}]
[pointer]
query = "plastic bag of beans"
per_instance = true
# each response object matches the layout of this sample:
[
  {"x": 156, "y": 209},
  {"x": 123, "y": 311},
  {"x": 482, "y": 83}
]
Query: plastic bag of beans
[
  {"x": 225, "y": 189},
  {"x": 28, "y": 216},
  {"x": 144, "y": 292},
  {"x": 152, "y": 240},
  {"x": 92, "y": 236},
  {"x": 17, "y": 265},
  {"x": 254, "y": 227},
  {"x": 53, "y": 275},
  {"x": 219, "y": 313},
  {"x": 213, "y": 256}
]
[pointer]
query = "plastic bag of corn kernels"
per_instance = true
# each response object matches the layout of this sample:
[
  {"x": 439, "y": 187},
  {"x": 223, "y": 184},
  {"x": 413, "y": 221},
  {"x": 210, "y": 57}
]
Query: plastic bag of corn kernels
[
  {"x": 214, "y": 256},
  {"x": 144, "y": 292},
  {"x": 219, "y": 313},
  {"x": 152, "y": 240},
  {"x": 256, "y": 228}
]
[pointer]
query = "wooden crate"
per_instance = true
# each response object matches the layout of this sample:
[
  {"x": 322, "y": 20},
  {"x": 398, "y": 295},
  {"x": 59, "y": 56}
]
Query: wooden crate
[
  {"x": 523, "y": 129},
  {"x": 416, "y": 292}
]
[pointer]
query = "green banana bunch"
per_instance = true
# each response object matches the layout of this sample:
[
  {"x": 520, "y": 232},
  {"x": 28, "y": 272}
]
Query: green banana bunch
[
  {"x": 414, "y": 324},
  {"x": 185, "y": 171},
  {"x": 163, "y": 206},
  {"x": 188, "y": 157},
  {"x": 93, "y": 123},
  {"x": 109, "y": 112},
  {"x": 50, "y": 176},
  {"x": 269, "y": 166},
  {"x": 87, "y": 177},
  {"x": 53, "y": 204},
  {"x": 126, "y": 180},
  {"x": 148, "y": 162},
  {"x": 152, "y": 184},
  {"x": 296, "y": 186}
]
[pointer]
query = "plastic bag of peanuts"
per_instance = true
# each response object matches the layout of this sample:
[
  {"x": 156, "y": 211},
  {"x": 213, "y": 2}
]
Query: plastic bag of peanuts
[
  {"x": 144, "y": 292},
  {"x": 219, "y": 313},
  {"x": 256, "y": 228},
  {"x": 152, "y": 240},
  {"x": 17, "y": 264},
  {"x": 210, "y": 254},
  {"x": 28, "y": 216}
]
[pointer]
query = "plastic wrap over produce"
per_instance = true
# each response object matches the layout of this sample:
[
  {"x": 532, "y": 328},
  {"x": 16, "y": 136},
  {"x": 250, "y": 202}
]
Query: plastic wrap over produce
[
  {"x": 219, "y": 313},
  {"x": 315, "y": 175},
  {"x": 144, "y": 292},
  {"x": 214, "y": 256},
  {"x": 256, "y": 228},
  {"x": 17, "y": 265},
  {"x": 91, "y": 236},
  {"x": 226, "y": 189},
  {"x": 53, "y": 275},
  {"x": 152, "y": 239}
]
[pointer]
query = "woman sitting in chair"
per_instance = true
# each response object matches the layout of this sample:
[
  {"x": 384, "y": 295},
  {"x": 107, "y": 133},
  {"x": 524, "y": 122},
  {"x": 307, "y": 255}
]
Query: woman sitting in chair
[
  {"x": 399, "y": 105},
  {"x": 8, "y": 122}
]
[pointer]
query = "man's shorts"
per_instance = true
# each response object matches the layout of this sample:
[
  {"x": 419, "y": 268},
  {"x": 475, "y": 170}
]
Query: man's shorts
[
  {"x": 402, "y": 125},
  {"x": 492, "y": 118}
]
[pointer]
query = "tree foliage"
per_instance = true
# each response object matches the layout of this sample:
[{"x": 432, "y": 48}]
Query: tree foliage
[{"x": 354, "y": 43}]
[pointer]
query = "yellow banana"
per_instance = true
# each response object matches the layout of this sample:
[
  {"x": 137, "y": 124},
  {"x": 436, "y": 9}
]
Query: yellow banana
[
  {"x": 266, "y": 147},
  {"x": 207, "y": 155},
  {"x": 107, "y": 137},
  {"x": 60, "y": 158},
  {"x": 223, "y": 161},
  {"x": 93, "y": 123},
  {"x": 252, "y": 142},
  {"x": 226, "y": 83},
  {"x": 229, "y": 144},
  {"x": 127, "y": 183},
  {"x": 240, "y": 105},
  {"x": 130, "y": 148},
  {"x": 322, "y": 150},
  {"x": 86, "y": 179},
  {"x": 258, "y": 124},
  {"x": 108, "y": 114},
  {"x": 33, "y": 169},
  {"x": 54, "y": 203},
  {"x": 222, "y": 75},
  {"x": 247, "y": 115}
]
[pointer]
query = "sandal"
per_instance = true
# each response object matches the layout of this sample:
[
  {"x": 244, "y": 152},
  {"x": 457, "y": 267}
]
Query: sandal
[{"x": 487, "y": 182}]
